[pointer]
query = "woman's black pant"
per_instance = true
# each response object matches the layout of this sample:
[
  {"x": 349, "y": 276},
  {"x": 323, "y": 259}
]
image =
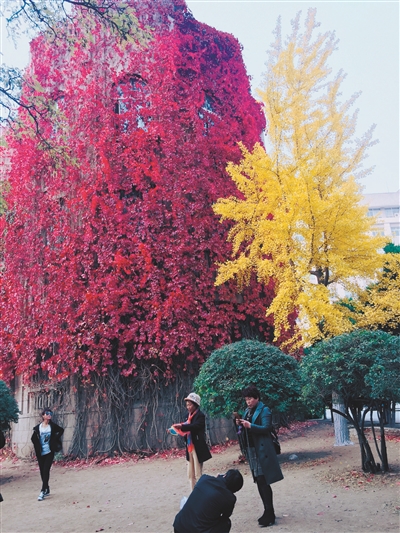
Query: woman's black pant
[
  {"x": 45, "y": 462},
  {"x": 265, "y": 492}
]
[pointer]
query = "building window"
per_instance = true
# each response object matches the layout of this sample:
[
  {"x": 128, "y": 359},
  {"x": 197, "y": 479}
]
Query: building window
[
  {"x": 209, "y": 104},
  {"x": 391, "y": 212},
  {"x": 378, "y": 230},
  {"x": 395, "y": 229},
  {"x": 207, "y": 112},
  {"x": 373, "y": 212},
  {"x": 40, "y": 399},
  {"x": 131, "y": 97}
]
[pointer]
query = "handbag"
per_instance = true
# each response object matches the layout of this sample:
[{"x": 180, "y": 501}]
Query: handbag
[{"x": 276, "y": 442}]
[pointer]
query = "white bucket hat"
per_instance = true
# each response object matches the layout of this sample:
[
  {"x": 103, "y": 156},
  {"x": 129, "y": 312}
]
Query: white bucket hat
[{"x": 193, "y": 397}]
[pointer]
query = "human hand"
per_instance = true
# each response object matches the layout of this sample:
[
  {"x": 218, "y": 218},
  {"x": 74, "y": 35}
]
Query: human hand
[
  {"x": 177, "y": 426},
  {"x": 245, "y": 423}
]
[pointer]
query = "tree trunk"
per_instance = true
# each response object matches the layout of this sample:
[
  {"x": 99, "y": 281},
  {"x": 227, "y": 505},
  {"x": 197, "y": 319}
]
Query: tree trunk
[
  {"x": 368, "y": 463},
  {"x": 382, "y": 420},
  {"x": 342, "y": 436},
  {"x": 367, "y": 459}
]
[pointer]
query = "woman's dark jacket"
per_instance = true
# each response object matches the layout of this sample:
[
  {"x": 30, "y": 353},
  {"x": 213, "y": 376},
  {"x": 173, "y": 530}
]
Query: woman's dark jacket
[
  {"x": 197, "y": 428},
  {"x": 261, "y": 425},
  {"x": 55, "y": 439}
]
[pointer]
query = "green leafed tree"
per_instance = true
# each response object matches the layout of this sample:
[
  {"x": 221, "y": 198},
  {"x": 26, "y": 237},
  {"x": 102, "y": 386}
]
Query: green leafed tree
[
  {"x": 235, "y": 366},
  {"x": 363, "y": 368},
  {"x": 8, "y": 407}
]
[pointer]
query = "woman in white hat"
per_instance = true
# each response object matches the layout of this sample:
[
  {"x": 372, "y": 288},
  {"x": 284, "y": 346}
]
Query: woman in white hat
[{"x": 193, "y": 430}]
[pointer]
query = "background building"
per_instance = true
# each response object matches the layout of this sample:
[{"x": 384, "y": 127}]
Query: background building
[{"x": 386, "y": 207}]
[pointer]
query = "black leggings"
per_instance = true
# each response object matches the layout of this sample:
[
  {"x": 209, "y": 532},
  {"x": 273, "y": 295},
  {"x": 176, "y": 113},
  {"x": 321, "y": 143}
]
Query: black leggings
[
  {"x": 45, "y": 462},
  {"x": 266, "y": 493}
]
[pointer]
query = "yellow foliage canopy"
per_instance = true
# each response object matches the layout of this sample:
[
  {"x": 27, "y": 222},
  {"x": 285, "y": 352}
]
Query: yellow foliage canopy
[
  {"x": 378, "y": 306},
  {"x": 297, "y": 218}
]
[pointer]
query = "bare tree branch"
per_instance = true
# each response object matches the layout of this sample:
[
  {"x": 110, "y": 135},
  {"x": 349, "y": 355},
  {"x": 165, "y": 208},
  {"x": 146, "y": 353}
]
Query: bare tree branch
[{"x": 34, "y": 16}]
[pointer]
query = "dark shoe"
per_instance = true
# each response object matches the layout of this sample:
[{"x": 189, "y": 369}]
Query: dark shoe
[
  {"x": 268, "y": 515},
  {"x": 267, "y": 519},
  {"x": 262, "y": 517}
]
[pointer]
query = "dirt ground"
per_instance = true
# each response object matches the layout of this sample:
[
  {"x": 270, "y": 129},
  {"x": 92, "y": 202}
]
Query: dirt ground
[{"x": 324, "y": 491}]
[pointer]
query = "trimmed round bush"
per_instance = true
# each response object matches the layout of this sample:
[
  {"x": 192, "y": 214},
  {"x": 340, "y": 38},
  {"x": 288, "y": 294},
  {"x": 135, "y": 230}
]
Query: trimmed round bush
[{"x": 234, "y": 366}]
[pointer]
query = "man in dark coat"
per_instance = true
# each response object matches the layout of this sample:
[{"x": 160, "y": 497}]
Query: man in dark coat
[{"x": 210, "y": 504}]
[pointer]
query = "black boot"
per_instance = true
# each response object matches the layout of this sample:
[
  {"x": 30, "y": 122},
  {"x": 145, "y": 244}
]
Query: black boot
[{"x": 268, "y": 518}]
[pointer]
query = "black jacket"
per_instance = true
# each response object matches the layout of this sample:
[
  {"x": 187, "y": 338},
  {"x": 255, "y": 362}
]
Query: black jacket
[
  {"x": 197, "y": 428},
  {"x": 209, "y": 505},
  {"x": 55, "y": 438}
]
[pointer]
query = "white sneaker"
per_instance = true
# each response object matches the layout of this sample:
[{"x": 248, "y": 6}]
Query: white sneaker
[{"x": 41, "y": 496}]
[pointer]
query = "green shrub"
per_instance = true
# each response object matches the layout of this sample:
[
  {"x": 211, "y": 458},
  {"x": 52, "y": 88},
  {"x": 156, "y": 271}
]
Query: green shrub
[
  {"x": 234, "y": 366},
  {"x": 361, "y": 364},
  {"x": 8, "y": 407}
]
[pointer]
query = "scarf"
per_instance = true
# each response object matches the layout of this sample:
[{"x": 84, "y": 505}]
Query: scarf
[{"x": 190, "y": 445}]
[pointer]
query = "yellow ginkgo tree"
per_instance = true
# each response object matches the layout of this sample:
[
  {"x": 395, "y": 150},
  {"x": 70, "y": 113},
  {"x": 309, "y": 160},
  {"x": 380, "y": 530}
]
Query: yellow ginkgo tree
[
  {"x": 297, "y": 217},
  {"x": 378, "y": 305}
]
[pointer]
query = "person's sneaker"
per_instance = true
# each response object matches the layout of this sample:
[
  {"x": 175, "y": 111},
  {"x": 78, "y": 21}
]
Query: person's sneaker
[
  {"x": 47, "y": 491},
  {"x": 41, "y": 496}
]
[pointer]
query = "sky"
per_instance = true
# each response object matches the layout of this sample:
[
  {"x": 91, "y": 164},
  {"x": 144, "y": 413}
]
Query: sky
[{"x": 368, "y": 52}]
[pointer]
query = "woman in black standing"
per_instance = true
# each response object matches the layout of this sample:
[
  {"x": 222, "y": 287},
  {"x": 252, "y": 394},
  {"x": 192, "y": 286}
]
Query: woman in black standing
[
  {"x": 46, "y": 440},
  {"x": 2, "y": 444},
  {"x": 260, "y": 451},
  {"x": 193, "y": 430}
]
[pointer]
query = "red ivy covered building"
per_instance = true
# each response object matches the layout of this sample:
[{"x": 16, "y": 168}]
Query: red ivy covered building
[{"x": 110, "y": 242}]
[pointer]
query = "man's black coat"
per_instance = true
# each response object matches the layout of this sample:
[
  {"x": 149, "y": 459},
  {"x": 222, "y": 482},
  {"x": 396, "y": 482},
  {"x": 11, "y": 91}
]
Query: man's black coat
[{"x": 208, "y": 507}]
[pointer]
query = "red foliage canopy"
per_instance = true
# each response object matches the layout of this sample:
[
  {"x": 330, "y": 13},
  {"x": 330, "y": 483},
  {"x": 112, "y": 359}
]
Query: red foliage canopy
[{"x": 110, "y": 242}]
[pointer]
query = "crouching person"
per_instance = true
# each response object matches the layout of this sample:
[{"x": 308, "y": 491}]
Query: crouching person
[{"x": 210, "y": 505}]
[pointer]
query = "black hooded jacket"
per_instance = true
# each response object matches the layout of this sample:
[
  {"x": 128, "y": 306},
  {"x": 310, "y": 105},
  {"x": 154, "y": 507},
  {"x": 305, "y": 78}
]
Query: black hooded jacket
[{"x": 55, "y": 438}]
